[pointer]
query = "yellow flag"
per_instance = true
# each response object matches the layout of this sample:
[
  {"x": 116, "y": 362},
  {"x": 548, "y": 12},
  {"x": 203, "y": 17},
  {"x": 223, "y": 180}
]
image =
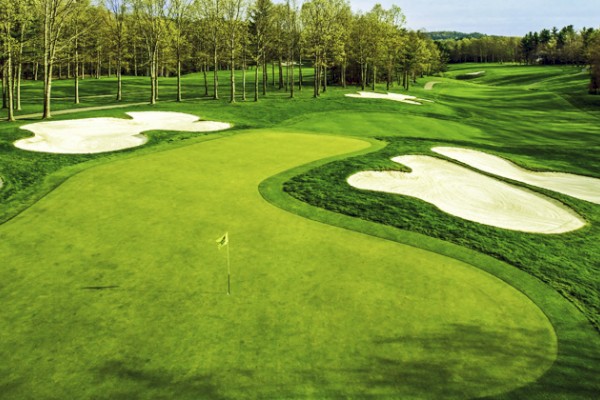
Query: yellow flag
[{"x": 223, "y": 240}]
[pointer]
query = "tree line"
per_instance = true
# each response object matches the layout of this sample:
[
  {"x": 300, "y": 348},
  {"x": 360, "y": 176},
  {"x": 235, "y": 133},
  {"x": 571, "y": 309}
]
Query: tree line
[
  {"x": 547, "y": 47},
  {"x": 75, "y": 39}
]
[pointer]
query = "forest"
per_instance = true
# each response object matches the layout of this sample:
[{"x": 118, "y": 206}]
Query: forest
[{"x": 79, "y": 39}]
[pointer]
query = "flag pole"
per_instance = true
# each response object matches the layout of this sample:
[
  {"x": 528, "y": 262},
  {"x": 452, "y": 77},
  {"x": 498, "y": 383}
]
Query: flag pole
[
  {"x": 224, "y": 241},
  {"x": 228, "y": 271}
]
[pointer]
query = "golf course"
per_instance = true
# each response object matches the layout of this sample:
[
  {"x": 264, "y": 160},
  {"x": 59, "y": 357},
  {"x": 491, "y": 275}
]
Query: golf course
[{"x": 113, "y": 285}]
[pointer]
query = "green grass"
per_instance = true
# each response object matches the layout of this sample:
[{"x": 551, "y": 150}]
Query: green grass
[
  {"x": 539, "y": 130},
  {"x": 296, "y": 325},
  {"x": 112, "y": 286}
]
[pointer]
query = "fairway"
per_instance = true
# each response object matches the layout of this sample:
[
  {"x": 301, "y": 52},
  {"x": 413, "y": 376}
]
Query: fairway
[{"x": 113, "y": 287}]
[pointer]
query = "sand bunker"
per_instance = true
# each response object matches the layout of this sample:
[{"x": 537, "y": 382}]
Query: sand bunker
[
  {"x": 581, "y": 187},
  {"x": 471, "y": 195},
  {"x": 429, "y": 85},
  {"x": 403, "y": 98},
  {"x": 98, "y": 135}
]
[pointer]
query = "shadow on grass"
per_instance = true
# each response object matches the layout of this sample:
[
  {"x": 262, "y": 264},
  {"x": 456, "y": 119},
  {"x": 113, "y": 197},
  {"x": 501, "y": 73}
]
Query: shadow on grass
[
  {"x": 136, "y": 383},
  {"x": 476, "y": 363}
]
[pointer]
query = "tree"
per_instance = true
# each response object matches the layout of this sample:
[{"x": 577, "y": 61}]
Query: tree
[
  {"x": 80, "y": 7},
  {"x": 322, "y": 32},
  {"x": 233, "y": 12},
  {"x": 115, "y": 21},
  {"x": 212, "y": 14},
  {"x": 593, "y": 56},
  {"x": 178, "y": 14},
  {"x": 362, "y": 36},
  {"x": 260, "y": 22},
  {"x": 292, "y": 39},
  {"x": 54, "y": 14},
  {"x": 151, "y": 22},
  {"x": 7, "y": 19}
]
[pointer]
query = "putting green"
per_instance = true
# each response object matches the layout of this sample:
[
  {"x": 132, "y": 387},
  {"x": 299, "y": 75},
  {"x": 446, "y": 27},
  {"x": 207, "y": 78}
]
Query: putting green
[{"x": 113, "y": 287}]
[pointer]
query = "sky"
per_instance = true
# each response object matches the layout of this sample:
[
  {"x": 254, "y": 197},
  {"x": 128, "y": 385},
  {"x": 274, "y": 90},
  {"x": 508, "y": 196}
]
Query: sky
[{"x": 504, "y": 17}]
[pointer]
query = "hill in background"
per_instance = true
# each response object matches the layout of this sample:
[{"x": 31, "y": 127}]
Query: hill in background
[{"x": 441, "y": 35}]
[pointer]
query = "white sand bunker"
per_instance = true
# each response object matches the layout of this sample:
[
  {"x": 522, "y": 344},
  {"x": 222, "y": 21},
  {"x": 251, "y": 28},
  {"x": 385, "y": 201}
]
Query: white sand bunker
[
  {"x": 98, "y": 135},
  {"x": 581, "y": 187},
  {"x": 471, "y": 195},
  {"x": 404, "y": 98}
]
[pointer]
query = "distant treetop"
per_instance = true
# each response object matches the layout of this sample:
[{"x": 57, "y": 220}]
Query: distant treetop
[{"x": 442, "y": 35}]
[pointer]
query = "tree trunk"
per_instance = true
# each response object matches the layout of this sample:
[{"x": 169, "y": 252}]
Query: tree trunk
[
  {"x": 244, "y": 66},
  {"x": 119, "y": 80},
  {"x": 178, "y": 77},
  {"x": 98, "y": 65},
  {"x": 152, "y": 74},
  {"x": 47, "y": 88},
  {"x": 291, "y": 67},
  {"x": 76, "y": 75},
  {"x": 156, "y": 69},
  {"x": 300, "y": 72},
  {"x": 215, "y": 75},
  {"x": 363, "y": 73},
  {"x": 374, "y": 76},
  {"x": 232, "y": 70},
  {"x": 19, "y": 74},
  {"x": 135, "y": 64},
  {"x": 4, "y": 94},
  {"x": 204, "y": 72},
  {"x": 9, "y": 81},
  {"x": 256, "y": 81},
  {"x": 265, "y": 74},
  {"x": 388, "y": 78},
  {"x": 280, "y": 73},
  {"x": 317, "y": 80},
  {"x": 47, "y": 65},
  {"x": 343, "y": 79}
]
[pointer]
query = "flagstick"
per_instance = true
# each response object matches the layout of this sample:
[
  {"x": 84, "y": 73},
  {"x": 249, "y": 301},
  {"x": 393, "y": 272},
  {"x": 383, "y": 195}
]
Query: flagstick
[{"x": 228, "y": 273}]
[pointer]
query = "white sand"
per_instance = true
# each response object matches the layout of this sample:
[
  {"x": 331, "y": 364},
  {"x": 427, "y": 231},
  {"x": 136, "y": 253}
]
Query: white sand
[
  {"x": 475, "y": 73},
  {"x": 471, "y": 195},
  {"x": 98, "y": 135},
  {"x": 581, "y": 187},
  {"x": 404, "y": 98},
  {"x": 429, "y": 85}
]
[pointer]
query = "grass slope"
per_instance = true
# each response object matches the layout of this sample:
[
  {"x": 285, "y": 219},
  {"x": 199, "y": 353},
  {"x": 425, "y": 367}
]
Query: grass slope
[{"x": 127, "y": 298}]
